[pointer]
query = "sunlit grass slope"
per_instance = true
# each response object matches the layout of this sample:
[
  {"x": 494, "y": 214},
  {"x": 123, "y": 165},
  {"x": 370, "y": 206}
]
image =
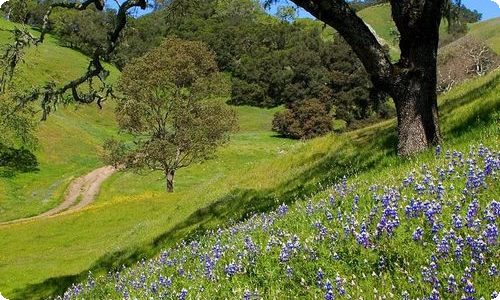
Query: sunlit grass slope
[
  {"x": 489, "y": 32},
  {"x": 69, "y": 140},
  {"x": 134, "y": 218}
]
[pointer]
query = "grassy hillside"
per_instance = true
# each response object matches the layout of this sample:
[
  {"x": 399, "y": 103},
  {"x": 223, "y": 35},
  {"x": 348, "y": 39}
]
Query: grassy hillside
[
  {"x": 396, "y": 233},
  {"x": 488, "y": 31},
  {"x": 61, "y": 156},
  {"x": 379, "y": 18},
  {"x": 120, "y": 229}
]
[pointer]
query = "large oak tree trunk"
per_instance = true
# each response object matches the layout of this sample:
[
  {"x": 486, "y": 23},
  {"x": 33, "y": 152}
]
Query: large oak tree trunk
[
  {"x": 415, "y": 93},
  {"x": 416, "y": 100},
  {"x": 412, "y": 81}
]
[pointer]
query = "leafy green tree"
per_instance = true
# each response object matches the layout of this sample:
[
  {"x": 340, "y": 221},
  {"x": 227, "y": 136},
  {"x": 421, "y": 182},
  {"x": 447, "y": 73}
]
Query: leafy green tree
[
  {"x": 170, "y": 109},
  {"x": 286, "y": 13},
  {"x": 84, "y": 30}
]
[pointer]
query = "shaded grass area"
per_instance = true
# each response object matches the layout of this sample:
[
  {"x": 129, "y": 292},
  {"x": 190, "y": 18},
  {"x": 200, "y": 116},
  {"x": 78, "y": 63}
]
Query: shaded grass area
[
  {"x": 69, "y": 141},
  {"x": 124, "y": 229}
]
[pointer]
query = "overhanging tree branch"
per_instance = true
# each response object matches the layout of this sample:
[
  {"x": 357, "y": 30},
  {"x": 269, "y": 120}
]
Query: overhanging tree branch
[{"x": 49, "y": 94}]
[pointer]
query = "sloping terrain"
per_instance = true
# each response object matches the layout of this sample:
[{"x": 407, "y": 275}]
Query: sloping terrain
[
  {"x": 133, "y": 217},
  {"x": 488, "y": 31},
  {"x": 121, "y": 229}
]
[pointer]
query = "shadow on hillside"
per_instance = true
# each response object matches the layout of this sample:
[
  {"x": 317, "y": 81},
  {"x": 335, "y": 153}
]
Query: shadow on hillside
[
  {"x": 476, "y": 93},
  {"x": 14, "y": 161}
]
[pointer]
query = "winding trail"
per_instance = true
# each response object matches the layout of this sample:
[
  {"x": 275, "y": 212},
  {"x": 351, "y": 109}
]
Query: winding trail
[{"x": 80, "y": 193}]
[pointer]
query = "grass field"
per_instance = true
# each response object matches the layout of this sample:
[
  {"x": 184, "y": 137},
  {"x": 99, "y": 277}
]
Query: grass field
[
  {"x": 358, "y": 239},
  {"x": 119, "y": 230},
  {"x": 133, "y": 216}
]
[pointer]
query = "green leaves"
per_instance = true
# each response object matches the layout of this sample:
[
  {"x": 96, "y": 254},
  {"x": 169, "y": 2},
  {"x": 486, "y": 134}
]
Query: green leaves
[{"x": 170, "y": 109}]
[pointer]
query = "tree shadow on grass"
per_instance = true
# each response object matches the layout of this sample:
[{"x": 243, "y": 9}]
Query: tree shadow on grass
[{"x": 14, "y": 161}]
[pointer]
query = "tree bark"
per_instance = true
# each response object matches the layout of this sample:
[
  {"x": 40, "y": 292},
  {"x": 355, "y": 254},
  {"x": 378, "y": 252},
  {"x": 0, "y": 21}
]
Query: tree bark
[
  {"x": 415, "y": 93},
  {"x": 412, "y": 81},
  {"x": 169, "y": 175}
]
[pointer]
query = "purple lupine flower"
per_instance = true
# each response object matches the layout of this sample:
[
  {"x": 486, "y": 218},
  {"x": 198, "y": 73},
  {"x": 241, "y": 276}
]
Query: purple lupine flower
[
  {"x": 458, "y": 252},
  {"x": 247, "y": 295},
  {"x": 322, "y": 231},
  {"x": 319, "y": 277},
  {"x": 154, "y": 288},
  {"x": 471, "y": 212},
  {"x": 231, "y": 269},
  {"x": 438, "y": 150},
  {"x": 309, "y": 208},
  {"x": 413, "y": 209},
  {"x": 440, "y": 191},
  {"x": 466, "y": 276},
  {"x": 492, "y": 211},
  {"x": 250, "y": 245},
  {"x": 289, "y": 248},
  {"x": 457, "y": 221},
  {"x": 443, "y": 247},
  {"x": 209, "y": 267},
  {"x": 452, "y": 284},
  {"x": 183, "y": 294},
  {"x": 492, "y": 270},
  {"x": 434, "y": 295},
  {"x": 469, "y": 288},
  {"x": 332, "y": 199},
  {"x": 340, "y": 287},
  {"x": 363, "y": 237},
  {"x": 417, "y": 234},
  {"x": 217, "y": 250},
  {"x": 329, "y": 290},
  {"x": 282, "y": 210},
  {"x": 491, "y": 234}
]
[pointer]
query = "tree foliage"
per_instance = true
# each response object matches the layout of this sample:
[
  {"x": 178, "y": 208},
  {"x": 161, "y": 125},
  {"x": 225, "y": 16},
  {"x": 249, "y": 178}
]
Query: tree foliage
[{"x": 170, "y": 110}]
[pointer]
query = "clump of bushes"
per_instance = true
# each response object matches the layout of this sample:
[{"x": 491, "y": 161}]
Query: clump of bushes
[{"x": 303, "y": 120}]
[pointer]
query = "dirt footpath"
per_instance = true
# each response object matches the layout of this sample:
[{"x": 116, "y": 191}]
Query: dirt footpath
[{"x": 80, "y": 193}]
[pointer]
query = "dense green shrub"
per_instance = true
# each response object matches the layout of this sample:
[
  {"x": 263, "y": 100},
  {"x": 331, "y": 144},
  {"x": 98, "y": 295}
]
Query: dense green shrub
[{"x": 303, "y": 120}]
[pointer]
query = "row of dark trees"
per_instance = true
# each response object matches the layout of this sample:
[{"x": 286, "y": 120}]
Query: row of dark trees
[
  {"x": 411, "y": 82},
  {"x": 273, "y": 62}
]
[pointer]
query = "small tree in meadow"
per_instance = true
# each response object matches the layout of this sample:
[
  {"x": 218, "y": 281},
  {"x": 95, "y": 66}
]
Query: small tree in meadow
[{"x": 170, "y": 109}]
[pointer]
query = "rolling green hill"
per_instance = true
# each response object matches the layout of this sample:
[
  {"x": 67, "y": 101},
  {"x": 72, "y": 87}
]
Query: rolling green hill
[
  {"x": 488, "y": 31},
  {"x": 60, "y": 156},
  {"x": 133, "y": 217}
]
